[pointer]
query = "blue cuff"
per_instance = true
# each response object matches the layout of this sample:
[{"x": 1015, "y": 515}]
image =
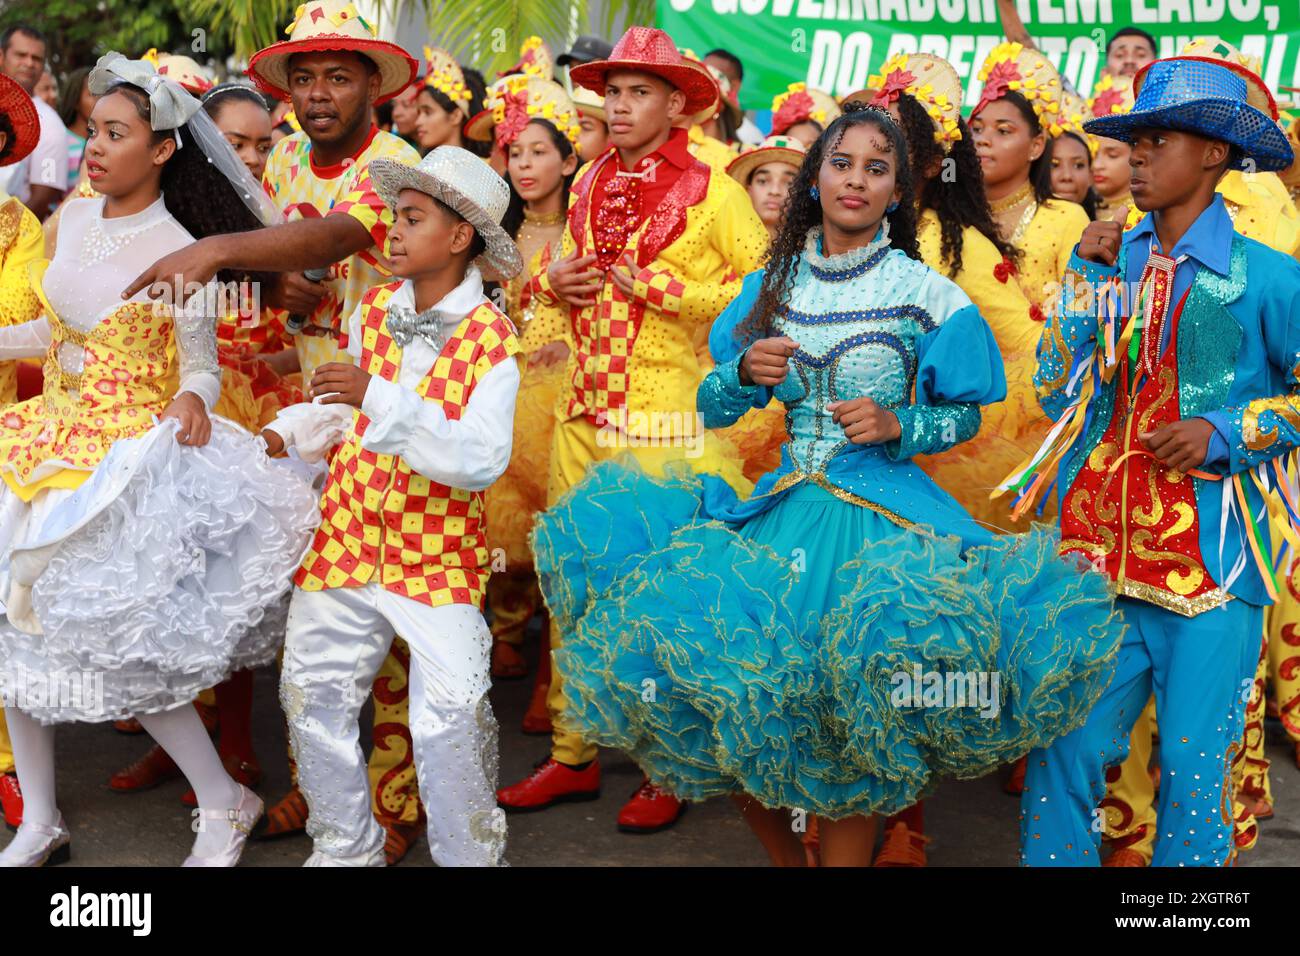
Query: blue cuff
[
  {"x": 1217, "y": 452},
  {"x": 1090, "y": 271}
]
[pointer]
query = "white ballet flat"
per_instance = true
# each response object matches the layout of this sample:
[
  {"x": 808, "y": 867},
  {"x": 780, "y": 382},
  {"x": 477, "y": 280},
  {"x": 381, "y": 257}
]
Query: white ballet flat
[
  {"x": 376, "y": 858},
  {"x": 56, "y": 848},
  {"x": 241, "y": 820}
]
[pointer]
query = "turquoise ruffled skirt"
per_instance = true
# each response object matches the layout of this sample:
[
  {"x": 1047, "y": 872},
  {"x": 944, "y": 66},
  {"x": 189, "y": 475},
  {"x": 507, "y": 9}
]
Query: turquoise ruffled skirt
[{"x": 794, "y": 657}]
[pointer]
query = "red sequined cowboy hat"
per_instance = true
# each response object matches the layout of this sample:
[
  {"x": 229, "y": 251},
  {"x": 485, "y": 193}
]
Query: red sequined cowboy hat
[
  {"x": 16, "y": 103},
  {"x": 332, "y": 25},
  {"x": 648, "y": 50}
]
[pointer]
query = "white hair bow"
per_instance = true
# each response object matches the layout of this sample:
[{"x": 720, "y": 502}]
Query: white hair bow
[{"x": 170, "y": 106}]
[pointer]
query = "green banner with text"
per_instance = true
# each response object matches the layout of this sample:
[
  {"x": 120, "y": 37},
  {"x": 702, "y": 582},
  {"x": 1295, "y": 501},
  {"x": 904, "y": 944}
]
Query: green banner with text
[{"x": 835, "y": 45}]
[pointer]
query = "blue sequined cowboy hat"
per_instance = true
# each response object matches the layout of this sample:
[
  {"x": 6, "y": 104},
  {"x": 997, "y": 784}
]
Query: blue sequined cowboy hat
[{"x": 1209, "y": 97}]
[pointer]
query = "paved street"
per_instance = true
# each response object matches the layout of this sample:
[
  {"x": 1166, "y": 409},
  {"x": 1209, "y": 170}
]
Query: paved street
[{"x": 972, "y": 823}]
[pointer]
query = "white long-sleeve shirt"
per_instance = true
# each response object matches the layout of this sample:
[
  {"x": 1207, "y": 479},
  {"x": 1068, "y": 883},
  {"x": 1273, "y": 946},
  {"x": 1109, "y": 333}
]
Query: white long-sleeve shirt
[
  {"x": 469, "y": 453},
  {"x": 95, "y": 260}
]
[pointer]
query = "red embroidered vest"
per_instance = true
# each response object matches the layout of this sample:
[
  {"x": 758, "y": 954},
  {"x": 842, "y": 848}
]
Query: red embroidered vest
[{"x": 1138, "y": 520}]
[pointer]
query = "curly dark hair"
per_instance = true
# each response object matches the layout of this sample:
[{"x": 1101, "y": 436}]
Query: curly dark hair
[
  {"x": 1092, "y": 198},
  {"x": 959, "y": 200},
  {"x": 802, "y": 213},
  {"x": 197, "y": 195},
  {"x": 514, "y": 217}
]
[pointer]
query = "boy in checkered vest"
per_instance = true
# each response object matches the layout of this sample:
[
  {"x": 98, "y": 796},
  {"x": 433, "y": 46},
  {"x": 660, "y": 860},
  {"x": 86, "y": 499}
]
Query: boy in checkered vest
[{"x": 416, "y": 430}]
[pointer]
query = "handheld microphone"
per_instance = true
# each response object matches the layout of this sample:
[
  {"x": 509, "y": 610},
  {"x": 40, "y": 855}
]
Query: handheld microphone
[{"x": 294, "y": 324}]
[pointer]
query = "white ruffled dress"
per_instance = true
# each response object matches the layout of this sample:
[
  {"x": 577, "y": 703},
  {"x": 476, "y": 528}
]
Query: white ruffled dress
[{"x": 150, "y": 581}]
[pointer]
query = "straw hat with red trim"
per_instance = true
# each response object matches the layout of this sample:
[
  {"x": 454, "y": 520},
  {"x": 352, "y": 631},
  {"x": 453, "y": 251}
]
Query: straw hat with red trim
[
  {"x": 516, "y": 100},
  {"x": 332, "y": 25},
  {"x": 589, "y": 103},
  {"x": 648, "y": 50},
  {"x": 799, "y": 104},
  {"x": 16, "y": 103},
  {"x": 774, "y": 149},
  {"x": 183, "y": 69},
  {"x": 443, "y": 74}
]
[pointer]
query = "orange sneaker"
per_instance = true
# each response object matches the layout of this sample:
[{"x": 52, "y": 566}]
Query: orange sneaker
[
  {"x": 286, "y": 818},
  {"x": 398, "y": 839},
  {"x": 902, "y": 847}
]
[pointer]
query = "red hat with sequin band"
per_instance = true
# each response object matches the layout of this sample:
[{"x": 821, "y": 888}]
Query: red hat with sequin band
[
  {"x": 1011, "y": 68},
  {"x": 443, "y": 74},
  {"x": 183, "y": 69},
  {"x": 17, "y": 104},
  {"x": 534, "y": 60},
  {"x": 332, "y": 25},
  {"x": 774, "y": 149},
  {"x": 930, "y": 80},
  {"x": 515, "y": 101},
  {"x": 799, "y": 104},
  {"x": 648, "y": 50}
]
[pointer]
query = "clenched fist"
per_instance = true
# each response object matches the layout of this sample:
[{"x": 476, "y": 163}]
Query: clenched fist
[
  {"x": 767, "y": 361},
  {"x": 864, "y": 422}
]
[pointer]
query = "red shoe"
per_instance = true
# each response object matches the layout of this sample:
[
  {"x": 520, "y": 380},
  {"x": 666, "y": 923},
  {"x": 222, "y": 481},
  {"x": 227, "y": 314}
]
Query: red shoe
[
  {"x": 11, "y": 797},
  {"x": 650, "y": 810},
  {"x": 247, "y": 772},
  {"x": 1015, "y": 784},
  {"x": 537, "y": 719},
  {"x": 1125, "y": 857},
  {"x": 130, "y": 726},
  {"x": 153, "y": 768},
  {"x": 551, "y": 783},
  {"x": 507, "y": 662}
]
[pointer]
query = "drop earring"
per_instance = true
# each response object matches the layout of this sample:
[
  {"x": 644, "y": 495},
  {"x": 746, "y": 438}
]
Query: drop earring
[{"x": 815, "y": 193}]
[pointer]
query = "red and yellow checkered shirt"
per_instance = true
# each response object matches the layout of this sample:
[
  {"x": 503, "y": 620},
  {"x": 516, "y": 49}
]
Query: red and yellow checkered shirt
[{"x": 383, "y": 523}]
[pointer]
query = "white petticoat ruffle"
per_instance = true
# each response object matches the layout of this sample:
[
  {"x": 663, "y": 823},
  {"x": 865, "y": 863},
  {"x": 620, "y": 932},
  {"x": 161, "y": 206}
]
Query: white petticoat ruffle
[{"x": 152, "y": 581}]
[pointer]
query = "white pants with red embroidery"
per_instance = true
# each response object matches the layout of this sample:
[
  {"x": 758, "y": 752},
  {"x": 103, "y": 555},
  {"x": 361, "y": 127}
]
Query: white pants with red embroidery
[{"x": 335, "y": 642}]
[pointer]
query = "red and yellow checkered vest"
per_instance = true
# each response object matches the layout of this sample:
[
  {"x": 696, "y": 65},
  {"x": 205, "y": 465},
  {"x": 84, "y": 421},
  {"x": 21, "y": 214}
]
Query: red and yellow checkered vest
[{"x": 380, "y": 521}]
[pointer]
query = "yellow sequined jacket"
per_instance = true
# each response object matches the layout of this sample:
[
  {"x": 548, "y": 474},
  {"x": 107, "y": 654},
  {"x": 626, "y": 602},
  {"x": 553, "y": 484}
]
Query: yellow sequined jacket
[
  {"x": 633, "y": 362},
  {"x": 21, "y": 243},
  {"x": 1262, "y": 209}
]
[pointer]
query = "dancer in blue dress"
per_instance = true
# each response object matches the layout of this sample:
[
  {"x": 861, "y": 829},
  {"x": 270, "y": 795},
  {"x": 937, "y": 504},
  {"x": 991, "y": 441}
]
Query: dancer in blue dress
[{"x": 845, "y": 635}]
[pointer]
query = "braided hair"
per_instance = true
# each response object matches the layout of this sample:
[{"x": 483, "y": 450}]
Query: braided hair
[
  {"x": 802, "y": 213},
  {"x": 959, "y": 200}
]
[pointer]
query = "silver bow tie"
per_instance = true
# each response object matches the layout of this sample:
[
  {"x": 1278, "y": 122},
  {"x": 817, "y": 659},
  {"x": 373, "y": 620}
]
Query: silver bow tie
[
  {"x": 170, "y": 106},
  {"x": 404, "y": 324}
]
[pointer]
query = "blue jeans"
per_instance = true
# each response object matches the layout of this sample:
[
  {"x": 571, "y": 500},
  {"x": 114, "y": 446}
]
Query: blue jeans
[{"x": 1202, "y": 671}]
